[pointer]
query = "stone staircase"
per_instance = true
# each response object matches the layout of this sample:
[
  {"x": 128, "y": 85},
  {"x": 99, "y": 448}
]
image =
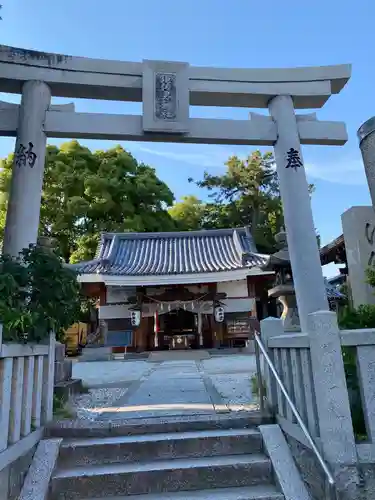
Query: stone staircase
[{"x": 226, "y": 461}]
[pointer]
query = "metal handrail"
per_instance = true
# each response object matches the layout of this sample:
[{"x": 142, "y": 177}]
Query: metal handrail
[{"x": 332, "y": 492}]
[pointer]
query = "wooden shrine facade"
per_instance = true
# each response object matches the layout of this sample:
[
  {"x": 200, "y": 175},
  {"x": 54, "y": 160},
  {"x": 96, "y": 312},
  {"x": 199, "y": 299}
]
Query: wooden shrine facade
[
  {"x": 176, "y": 282},
  {"x": 179, "y": 316}
]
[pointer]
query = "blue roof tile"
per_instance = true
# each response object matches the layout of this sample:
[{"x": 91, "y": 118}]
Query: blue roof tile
[{"x": 188, "y": 252}]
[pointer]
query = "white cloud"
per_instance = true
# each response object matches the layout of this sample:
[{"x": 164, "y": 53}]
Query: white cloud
[
  {"x": 349, "y": 172},
  {"x": 209, "y": 159},
  {"x": 345, "y": 172}
]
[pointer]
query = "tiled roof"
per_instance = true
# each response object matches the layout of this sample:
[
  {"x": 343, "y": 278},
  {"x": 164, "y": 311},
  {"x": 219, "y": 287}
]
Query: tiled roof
[
  {"x": 188, "y": 252},
  {"x": 338, "y": 242},
  {"x": 333, "y": 291}
]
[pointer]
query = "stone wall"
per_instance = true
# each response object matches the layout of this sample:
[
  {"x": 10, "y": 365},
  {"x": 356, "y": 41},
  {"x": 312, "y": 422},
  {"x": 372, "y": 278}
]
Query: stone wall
[
  {"x": 12, "y": 477},
  {"x": 309, "y": 467},
  {"x": 311, "y": 472},
  {"x": 367, "y": 490}
]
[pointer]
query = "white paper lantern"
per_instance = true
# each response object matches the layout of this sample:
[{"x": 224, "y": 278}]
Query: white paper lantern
[
  {"x": 135, "y": 318},
  {"x": 219, "y": 314}
]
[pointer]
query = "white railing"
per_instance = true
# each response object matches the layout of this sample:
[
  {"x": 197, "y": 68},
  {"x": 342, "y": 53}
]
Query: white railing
[
  {"x": 291, "y": 357},
  {"x": 26, "y": 395}
]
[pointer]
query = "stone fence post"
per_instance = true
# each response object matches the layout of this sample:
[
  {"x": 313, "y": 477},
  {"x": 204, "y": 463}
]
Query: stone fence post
[{"x": 332, "y": 400}]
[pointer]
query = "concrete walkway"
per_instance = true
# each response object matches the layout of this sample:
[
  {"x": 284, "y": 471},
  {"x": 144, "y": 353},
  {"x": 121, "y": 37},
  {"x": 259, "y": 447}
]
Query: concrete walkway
[
  {"x": 140, "y": 389},
  {"x": 173, "y": 388}
]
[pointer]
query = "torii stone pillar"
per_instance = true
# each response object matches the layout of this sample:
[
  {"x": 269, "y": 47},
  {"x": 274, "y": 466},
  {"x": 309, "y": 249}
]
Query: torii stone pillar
[
  {"x": 303, "y": 246},
  {"x": 366, "y": 136},
  {"x": 23, "y": 212}
]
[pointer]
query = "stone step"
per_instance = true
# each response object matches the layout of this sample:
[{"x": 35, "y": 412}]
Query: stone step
[
  {"x": 248, "y": 493},
  {"x": 161, "y": 476},
  {"x": 77, "y": 452},
  {"x": 137, "y": 426}
]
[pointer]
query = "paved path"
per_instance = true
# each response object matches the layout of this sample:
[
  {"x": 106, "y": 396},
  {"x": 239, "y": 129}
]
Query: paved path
[{"x": 170, "y": 388}]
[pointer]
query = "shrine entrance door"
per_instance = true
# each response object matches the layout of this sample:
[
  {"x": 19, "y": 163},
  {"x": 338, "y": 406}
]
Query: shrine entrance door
[{"x": 179, "y": 330}]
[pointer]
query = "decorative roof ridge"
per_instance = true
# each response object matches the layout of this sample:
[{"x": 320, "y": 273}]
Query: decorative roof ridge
[
  {"x": 258, "y": 254},
  {"x": 261, "y": 256},
  {"x": 239, "y": 247},
  {"x": 173, "y": 234},
  {"x": 250, "y": 237}
]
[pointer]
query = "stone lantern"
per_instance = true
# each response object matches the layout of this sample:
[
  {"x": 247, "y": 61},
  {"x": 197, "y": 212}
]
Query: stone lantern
[{"x": 284, "y": 287}]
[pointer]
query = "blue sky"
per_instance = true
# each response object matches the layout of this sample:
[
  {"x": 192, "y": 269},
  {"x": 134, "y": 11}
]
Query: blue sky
[{"x": 241, "y": 33}]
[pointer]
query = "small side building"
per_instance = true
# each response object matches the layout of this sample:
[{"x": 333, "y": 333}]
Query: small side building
[
  {"x": 335, "y": 252},
  {"x": 176, "y": 281}
]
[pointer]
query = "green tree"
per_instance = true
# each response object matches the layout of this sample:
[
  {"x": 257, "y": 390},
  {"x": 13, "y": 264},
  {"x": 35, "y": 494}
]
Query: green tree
[
  {"x": 85, "y": 193},
  {"x": 189, "y": 213},
  {"x": 247, "y": 194},
  {"x": 31, "y": 303}
]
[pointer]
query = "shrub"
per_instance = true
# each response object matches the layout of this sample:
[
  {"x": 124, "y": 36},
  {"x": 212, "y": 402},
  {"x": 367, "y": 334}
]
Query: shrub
[
  {"x": 38, "y": 294},
  {"x": 362, "y": 317},
  {"x": 351, "y": 319}
]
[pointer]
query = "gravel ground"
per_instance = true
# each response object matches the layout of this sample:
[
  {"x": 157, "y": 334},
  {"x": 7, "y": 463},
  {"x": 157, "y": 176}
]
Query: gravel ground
[
  {"x": 101, "y": 373},
  {"x": 82, "y": 404},
  {"x": 230, "y": 364},
  {"x": 235, "y": 390}
]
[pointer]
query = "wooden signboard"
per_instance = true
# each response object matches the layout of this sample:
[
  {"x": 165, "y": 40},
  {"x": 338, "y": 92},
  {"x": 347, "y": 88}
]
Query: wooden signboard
[{"x": 239, "y": 325}]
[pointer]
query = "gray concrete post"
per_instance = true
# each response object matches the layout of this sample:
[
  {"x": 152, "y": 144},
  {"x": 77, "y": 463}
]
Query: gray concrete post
[
  {"x": 332, "y": 398},
  {"x": 366, "y": 136},
  {"x": 302, "y": 243},
  {"x": 22, "y": 222}
]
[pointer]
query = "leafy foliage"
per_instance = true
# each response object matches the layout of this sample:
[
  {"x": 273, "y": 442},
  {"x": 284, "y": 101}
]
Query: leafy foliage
[
  {"x": 370, "y": 276},
  {"x": 246, "y": 195},
  {"x": 350, "y": 319},
  {"x": 85, "y": 193},
  {"x": 362, "y": 317},
  {"x": 192, "y": 214},
  {"x": 38, "y": 294}
]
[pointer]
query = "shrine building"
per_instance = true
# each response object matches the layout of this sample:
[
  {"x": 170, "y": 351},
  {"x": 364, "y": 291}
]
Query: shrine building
[{"x": 178, "y": 290}]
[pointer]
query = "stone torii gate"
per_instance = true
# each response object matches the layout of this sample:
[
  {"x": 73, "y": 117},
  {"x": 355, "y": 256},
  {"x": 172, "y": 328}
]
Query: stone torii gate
[{"x": 167, "y": 89}]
